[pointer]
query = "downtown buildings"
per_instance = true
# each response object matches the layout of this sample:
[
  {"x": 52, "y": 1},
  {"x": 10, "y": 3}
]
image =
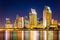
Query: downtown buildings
[{"x": 25, "y": 28}]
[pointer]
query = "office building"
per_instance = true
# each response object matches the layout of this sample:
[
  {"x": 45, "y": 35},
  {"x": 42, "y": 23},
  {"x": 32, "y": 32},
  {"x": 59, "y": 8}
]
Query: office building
[
  {"x": 47, "y": 16},
  {"x": 33, "y": 18}
]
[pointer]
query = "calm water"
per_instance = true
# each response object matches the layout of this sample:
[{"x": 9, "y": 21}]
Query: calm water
[{"x": 29, "y": 35}]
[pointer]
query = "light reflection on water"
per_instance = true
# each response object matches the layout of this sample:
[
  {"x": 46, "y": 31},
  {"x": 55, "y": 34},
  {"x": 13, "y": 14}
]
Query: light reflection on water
[{"x": 17, "y": 35}]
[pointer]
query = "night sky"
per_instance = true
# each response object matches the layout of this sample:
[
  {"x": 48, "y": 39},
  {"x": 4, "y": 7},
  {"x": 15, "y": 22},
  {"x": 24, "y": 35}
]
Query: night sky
[{"x": 9, "y": 8}]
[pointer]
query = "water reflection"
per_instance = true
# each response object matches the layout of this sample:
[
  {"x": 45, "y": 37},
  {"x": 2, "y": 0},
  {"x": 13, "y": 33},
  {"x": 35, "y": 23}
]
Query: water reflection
[{"x": 30, "y": 35}]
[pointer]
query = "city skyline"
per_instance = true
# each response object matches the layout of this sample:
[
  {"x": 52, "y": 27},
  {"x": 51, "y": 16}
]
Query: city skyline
[
  {"x": 33, "y": 16},
  {"x": 31, "y": 28},
  {"x": 47, "y": 22},
  {"x": 29, "y": 20},
  {"x": 11, "y": 8}
]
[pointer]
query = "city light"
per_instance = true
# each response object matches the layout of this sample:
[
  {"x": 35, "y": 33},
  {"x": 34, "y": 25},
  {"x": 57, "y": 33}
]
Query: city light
[{"x": 30, "y": 28}]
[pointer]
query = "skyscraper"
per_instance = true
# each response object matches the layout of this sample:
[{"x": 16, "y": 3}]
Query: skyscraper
[
  {"x": 19, "y": 24},
  {"x": 55, "y": 22},
  {"x": 33, "y": 18},
  {"x": 19, "y": 21},
  {"x": 17, "y": 18},
  {"x": 47, "y": 16},
  {"x": 8, "y": 24},
  {"x": 26, "y": 22}
]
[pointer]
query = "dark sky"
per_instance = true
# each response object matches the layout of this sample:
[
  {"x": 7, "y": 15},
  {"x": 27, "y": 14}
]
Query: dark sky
[{"x": 9, "y": 8}]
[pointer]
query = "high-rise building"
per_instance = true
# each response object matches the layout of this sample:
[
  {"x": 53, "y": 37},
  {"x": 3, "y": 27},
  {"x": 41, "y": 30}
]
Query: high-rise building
[
  {"x": 14, "y": 31},
  {"x": 33, "y": 18},
  {"x": 19, "y": 21},
  {"x": 47, "y": 16},
  {"x": 54, "y": 22},
  {"x": 15, "y": 25},
  {"x": 8, "y": 21},
  {"x": 26, "y": 22},
  {"x": 19, "y": 24},
  {"x": 16, "y": 21},
  {"x": 8, "y": 24}
]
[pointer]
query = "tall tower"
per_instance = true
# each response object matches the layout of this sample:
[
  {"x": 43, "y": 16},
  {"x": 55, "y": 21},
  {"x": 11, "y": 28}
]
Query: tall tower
[
  {"x": 17, "y": 18},
  {"x": 8, "y": 23},
  {"x": 19, "y": 24},
  {"x": 33, "y": 18},
  {"x": 47, "y": 16},
  {"x": 19, "y": 21}
]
